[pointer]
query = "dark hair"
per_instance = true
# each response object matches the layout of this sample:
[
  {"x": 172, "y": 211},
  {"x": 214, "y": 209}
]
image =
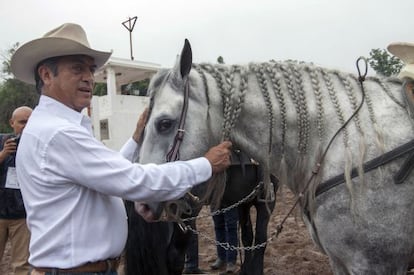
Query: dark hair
[{"x": 51, "y": 63}]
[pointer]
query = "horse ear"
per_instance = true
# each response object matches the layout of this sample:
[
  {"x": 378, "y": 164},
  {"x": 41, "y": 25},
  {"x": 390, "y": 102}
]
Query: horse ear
[{"x": 186, "y": 59}]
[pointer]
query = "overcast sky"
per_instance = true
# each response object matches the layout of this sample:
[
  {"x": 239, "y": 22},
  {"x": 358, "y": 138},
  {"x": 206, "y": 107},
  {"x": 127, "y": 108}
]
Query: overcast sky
[{"x": 330, "y": 33}]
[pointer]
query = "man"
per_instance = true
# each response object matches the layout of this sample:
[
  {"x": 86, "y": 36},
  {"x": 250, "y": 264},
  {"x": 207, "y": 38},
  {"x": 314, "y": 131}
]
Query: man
[
  {"x": 12, "y": 214},
  {"x": 405, "y": 52},
  {"x": 72, "y": 184}
]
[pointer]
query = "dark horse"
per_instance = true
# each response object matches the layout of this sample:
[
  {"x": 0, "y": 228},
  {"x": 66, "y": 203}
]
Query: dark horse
[{"x": 159, "y": 248}]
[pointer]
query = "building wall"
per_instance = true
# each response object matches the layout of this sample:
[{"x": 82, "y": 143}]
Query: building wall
[
  {"x": 117, "y": 112},
  {"x": 122, "y": 117}
]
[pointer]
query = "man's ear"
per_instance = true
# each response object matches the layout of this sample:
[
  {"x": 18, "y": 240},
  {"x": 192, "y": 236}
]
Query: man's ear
[{"x": 45, "y": 74}]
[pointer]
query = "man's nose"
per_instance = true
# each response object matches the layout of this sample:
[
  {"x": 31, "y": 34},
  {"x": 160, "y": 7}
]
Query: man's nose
[{"x": 89, "y": 77}]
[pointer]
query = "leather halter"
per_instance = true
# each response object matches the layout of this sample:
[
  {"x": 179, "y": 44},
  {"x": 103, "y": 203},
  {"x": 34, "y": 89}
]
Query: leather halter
[{"x": 174, "y": 153}]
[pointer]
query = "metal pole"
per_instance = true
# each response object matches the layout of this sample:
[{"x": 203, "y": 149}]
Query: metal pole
[{"x": 130, "y": 28}]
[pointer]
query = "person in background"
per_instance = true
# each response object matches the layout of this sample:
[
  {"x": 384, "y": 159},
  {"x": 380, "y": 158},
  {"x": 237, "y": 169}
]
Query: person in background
[
  {"x": 72, "y": 184},
  {"x": 225, "y": 228},
  {"x": 405, "y": 52},
  {"x": 191, "y": 257},
  {"x": 13, "y": 225}
]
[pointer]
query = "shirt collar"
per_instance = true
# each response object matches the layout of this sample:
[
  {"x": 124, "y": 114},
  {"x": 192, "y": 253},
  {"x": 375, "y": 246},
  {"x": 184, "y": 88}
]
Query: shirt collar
[{"x": 60, "y": 110}]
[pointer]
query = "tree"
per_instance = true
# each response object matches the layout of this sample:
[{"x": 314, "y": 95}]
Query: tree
[
  {"x": 100, "y": 89},
  {"x": 220, "y": 60},
  {"x": 6, "y": 56},
  {"x": 383, "y": 63},
  {"x": 13, "y": 93}
]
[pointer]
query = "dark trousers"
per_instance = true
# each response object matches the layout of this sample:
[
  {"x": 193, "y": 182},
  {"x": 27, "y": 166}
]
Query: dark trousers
[
  {"x": 191, "y": 258},
  {"x": 225, "y": 227}
]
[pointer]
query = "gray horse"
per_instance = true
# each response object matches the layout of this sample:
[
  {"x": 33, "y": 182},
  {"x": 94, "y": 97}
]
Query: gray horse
[{"x": 284, "y": 115}]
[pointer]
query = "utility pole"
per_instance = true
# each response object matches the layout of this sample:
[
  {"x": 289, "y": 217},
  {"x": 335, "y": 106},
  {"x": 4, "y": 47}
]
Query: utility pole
[{"x": 130, "y": 27}]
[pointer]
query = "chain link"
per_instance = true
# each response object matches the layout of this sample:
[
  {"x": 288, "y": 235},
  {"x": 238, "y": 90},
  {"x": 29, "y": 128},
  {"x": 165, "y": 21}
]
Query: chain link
[
  {"x": 250, "y": 196},
  {"x": 226, "y": 245}
]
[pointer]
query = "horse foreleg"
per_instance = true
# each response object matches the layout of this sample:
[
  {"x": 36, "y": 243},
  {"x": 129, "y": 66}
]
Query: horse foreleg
[
  {"x": 146, "y": 245},
  {"x": 176, "y": 250},
  {"x": 246, "y": 235}
]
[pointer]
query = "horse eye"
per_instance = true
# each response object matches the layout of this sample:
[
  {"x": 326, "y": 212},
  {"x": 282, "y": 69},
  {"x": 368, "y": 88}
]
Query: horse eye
[{"x": 164, "y": 125}]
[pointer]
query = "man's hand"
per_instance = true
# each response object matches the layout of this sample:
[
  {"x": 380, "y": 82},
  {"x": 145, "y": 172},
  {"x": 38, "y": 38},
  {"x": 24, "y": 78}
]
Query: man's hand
[
  {"x": 145, "y": 211},
  {"x": 9, "y": 147},
  {"x": 219, "y": 156},
  {"x": 140, "y": 125}
]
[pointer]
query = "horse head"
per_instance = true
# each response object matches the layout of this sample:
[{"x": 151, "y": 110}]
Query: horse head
[{"x": 171, "y": 92}]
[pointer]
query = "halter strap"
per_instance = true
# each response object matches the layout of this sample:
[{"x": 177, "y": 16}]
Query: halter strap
[{"x": 174, "y": 153}]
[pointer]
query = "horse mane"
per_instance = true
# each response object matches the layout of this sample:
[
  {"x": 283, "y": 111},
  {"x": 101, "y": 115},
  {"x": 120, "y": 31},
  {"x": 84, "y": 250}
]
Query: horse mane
[{"x": 272, "y": 77}]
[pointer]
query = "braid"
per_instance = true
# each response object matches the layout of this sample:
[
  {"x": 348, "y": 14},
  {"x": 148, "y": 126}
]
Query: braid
[
  {"x": 260, "y": 74},
  {"x": 319, "y": 101},
  {"x": 335, "y": 102},
  {"x": 218, "y": 76},
  {"x": 287, "y": 76},
  {"x": 271, "y": 70},
  {"x": 351, "y": 95},
  {"x": 303, "y": 109}
]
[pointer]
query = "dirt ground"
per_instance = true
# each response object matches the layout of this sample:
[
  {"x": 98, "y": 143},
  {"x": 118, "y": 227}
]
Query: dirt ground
[{"x": 291, "y": 253}]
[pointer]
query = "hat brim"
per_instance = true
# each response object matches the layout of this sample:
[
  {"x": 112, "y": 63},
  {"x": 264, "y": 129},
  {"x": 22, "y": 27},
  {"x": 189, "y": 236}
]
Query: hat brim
[
  {"x": 28, "y": 56},
  {"x": 402, "y": 50},
  {"x": 407, "y": 72}
]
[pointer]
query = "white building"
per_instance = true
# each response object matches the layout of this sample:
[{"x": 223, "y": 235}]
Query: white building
[{"x": 114, "y": 116}]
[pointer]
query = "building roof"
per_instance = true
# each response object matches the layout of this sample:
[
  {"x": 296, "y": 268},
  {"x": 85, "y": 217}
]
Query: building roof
[{"x": 127, "y": 71}]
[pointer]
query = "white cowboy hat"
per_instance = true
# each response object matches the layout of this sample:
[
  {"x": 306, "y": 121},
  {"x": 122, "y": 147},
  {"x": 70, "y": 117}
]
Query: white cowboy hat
[
  {"x": 67, "y": 39},
  {"x": 405, "y": 52}
]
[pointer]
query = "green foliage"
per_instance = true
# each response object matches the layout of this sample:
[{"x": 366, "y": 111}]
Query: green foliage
[
  {"x": 141, "y": 86},
  {"x": 383, "y": 63},
  {"x": 15, "y": 93},
  {"x": 136, "y": 88},
  {"x": 100, "y": 89},
  {"x": 6, "y": 56},
  {"x": 220, "y": 60}
]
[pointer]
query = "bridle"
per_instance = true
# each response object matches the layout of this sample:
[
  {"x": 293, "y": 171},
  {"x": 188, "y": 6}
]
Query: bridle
[{"x": 174, "y": 153}]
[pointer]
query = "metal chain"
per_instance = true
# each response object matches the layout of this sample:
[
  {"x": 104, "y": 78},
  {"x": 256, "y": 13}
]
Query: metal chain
[
  {"x": 226, "y": 245},
  {"x": 224, "y": 210}
]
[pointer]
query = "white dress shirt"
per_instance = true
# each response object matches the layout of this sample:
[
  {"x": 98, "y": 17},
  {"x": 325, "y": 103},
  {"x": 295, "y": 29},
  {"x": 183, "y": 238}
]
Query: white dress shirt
[{"x": 72, "y": 187}]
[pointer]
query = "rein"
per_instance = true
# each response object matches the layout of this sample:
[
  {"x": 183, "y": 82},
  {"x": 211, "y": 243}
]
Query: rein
[
  {"x": 316, "y": 170},
  {"x": 368, "y": 166}
]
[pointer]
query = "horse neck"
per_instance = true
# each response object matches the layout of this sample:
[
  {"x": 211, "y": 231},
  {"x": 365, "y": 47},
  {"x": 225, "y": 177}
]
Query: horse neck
[{"x": 285, "y": 114}]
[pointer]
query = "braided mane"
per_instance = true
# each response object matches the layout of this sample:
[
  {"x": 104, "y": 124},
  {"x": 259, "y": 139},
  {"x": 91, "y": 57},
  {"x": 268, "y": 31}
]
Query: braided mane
[{"x": 298, "y": 83}]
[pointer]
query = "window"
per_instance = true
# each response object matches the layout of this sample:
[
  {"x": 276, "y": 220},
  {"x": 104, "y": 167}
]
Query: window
[{"x": 104, "y": 129}]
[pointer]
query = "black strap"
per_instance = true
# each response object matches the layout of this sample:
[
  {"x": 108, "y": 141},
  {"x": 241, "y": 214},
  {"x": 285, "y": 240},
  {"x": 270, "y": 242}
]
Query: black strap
[
  {"x": 173, "y": 154},
  {"x": 368, "y": 166},
  {"x": 405, "y": 170}
]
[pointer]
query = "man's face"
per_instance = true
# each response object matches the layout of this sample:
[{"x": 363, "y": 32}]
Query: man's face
[
  {"x": 74, "y": 82},
  {"x": 19, "y": 119}
]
